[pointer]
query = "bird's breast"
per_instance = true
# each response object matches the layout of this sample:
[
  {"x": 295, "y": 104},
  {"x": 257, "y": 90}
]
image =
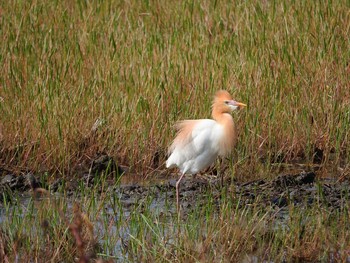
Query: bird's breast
[{"x": 228, "y": 136}]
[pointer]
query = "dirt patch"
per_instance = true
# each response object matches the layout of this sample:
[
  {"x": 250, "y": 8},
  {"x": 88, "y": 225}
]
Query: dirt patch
[
  {"x": 298, "y": 189},
  {"x": 302, "y": 189}
]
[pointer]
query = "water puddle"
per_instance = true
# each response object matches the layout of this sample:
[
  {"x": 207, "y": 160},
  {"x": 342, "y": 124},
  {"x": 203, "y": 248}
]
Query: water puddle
[{"x": 115, "y": 212}]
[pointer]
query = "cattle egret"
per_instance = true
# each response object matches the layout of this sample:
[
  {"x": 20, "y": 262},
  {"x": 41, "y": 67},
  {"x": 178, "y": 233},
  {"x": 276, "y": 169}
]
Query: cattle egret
[{"x": 199, "y": 142}]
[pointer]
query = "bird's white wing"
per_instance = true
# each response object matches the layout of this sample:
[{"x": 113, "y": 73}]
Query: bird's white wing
[{"x": 196, "y": 146}]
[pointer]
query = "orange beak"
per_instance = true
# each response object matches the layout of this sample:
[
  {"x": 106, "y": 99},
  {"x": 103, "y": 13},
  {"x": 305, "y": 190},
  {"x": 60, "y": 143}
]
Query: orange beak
[{"x": 240, "y": 104}]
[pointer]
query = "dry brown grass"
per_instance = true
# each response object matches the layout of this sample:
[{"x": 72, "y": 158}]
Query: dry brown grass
[{"x": 139, "y": 67}]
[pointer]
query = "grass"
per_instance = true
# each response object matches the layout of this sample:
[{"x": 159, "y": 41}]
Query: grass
[
  {"x": 84, "y": 77},
  {"x": 90, "y": 226},
  {"x": 139, "y": 67}
]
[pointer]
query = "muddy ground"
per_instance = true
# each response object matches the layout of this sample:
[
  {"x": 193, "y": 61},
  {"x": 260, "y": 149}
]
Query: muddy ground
[{"x": 301, "y": 189}]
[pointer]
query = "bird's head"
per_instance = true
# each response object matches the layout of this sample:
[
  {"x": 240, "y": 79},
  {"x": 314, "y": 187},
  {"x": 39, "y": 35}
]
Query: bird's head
[{"x": 223, "y": 102}]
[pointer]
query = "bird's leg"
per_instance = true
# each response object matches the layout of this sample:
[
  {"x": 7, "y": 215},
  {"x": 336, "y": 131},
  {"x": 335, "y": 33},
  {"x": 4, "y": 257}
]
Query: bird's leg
[
  {"x": 222, "y": 179},
  {"x": 220, "y": 173},
  {"x": 177, "y": 192}
]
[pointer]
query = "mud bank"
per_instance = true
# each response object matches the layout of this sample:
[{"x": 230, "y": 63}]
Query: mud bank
[
  {"x": 297, "y": 189},
  {"x": 302, "y": 189}
]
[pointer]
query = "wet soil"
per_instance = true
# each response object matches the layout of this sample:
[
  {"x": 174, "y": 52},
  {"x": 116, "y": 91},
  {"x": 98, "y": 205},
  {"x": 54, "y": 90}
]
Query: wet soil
[{"x": 300, "y": 189}]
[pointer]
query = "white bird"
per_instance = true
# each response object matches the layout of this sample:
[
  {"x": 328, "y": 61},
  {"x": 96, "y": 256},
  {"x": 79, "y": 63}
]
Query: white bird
[{"x": 199, "y": 142}]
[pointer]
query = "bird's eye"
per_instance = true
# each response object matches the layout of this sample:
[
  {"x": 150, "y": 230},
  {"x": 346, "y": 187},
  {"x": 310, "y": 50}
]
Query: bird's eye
[{"x": 226, "y": 101}]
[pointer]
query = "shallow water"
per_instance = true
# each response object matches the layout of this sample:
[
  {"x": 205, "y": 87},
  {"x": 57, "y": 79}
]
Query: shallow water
[
  {"x": 25, "y": 204},
  {"x": 114, "y": 218}
]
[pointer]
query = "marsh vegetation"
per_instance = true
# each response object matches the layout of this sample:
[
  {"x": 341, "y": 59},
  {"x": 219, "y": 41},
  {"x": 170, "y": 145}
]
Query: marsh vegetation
[{"x": 80, "y": 80}]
